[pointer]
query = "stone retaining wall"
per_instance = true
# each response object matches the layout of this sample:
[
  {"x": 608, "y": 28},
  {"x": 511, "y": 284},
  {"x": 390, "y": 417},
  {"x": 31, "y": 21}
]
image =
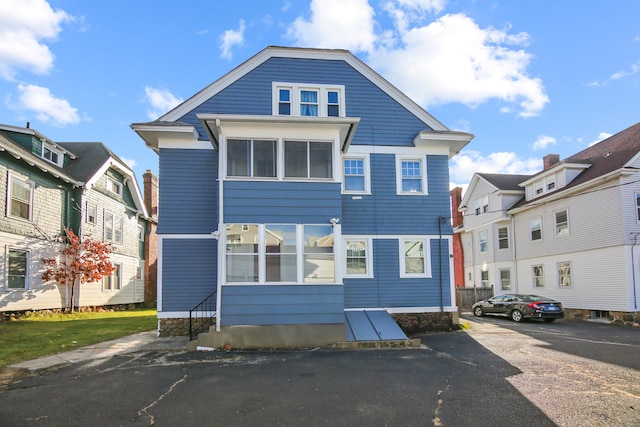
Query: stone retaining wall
[{"x": 615, "y": 317}]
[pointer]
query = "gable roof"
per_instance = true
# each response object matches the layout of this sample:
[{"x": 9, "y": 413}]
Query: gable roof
[
  {"x": 308, "y": 53},
  {"x": 505, "y": 182}
]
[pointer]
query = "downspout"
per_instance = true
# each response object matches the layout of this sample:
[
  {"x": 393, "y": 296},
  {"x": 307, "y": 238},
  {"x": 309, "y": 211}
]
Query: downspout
[
  {"x": 441, "y": 220},
  {"x": 221, "y": 232},
  {"x": 514, "y": 251},
  {"x": 633, "y": 270}
]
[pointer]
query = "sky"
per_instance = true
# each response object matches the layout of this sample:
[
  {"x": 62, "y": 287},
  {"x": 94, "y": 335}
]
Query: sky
[{"x": 527, "y": 78}]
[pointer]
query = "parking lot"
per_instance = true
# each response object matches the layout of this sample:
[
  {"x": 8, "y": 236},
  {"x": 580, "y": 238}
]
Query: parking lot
[{"x": 495, "y": 373}]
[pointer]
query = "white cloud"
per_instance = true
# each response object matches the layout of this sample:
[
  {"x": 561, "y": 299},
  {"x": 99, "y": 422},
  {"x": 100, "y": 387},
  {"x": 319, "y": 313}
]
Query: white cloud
[
  {"x": 448, "y": 60},
  {"x": 345, "y": 24},
  {"x": 464, "y": 165},
  {"x": 231, "y": 38},
  {"x": 601, "y": 137},
  {"x": 24, "y": 25},
  {"x": 160, "y": 101},
  {"x": 543, "y": 142},
  {"x": 48, "y": 108},
  {"x": 129, "y": 162},
  {"x": 635, "y": 68}
]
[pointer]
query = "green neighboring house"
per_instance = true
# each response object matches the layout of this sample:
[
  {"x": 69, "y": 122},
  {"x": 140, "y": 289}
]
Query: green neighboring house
[{"x": 83, "y": 186}]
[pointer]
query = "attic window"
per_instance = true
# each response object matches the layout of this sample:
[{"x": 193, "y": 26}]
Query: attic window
[
  {"x": 312, "y": 100},
  {"x": 114, "y": 186},
  {"x": 52, "y": 155}
]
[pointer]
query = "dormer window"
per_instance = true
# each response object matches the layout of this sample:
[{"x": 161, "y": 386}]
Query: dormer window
[
  {"x": 52, "y": 155},
  {"x": 308, "y": 100},
  {"x": 114, "y": 186}
]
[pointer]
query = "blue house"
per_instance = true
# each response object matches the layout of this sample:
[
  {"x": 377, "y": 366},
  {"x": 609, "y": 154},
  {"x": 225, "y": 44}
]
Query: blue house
[{"x": 296, "y": 188}]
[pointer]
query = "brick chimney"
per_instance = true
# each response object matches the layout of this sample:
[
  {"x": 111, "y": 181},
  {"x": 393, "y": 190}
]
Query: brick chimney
[
  {"x": 550, "y": 160},
  {"x": 150, "y": 182},
  {"x": 458, "y": 254}
]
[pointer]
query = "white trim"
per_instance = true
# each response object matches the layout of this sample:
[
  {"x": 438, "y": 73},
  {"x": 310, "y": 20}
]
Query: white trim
[
  {"x": 401, "y": 150},
  {"x": 426, "y": 260},
  {"x": 398, "y": 310},
  {"x": 190, "y": 145},
  {"x": 367, "y": 173},
  {"x": 53, "y": 149},
  {"x": 295, "y": 102},
  {"x": 423, "y": 175},
  {"x": 368, "y": 241},
  {"x": 27, "y": 278},
  {"x": 32, "y": 189}
]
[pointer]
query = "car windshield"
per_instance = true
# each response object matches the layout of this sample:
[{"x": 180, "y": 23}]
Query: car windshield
[{"x": 530, "y": 298}]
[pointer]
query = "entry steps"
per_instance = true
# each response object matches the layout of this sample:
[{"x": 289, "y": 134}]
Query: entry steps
[{"x": 372, "y": 325}]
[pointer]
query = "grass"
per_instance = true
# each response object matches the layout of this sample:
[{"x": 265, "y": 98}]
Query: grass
[{"x": 43, "y": 335}]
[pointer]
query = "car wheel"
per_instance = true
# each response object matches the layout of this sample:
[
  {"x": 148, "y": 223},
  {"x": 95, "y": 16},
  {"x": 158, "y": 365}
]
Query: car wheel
[
  {"x": 549, "y": 320},
  {"x": 516, "y": 316},
  {"x": 478, "y": 311}
]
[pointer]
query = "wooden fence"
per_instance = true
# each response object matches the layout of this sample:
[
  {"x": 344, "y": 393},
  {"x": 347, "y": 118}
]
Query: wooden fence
[{"x": 466, "y": 297}]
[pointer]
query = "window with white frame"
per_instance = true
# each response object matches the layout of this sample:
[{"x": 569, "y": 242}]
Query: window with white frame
[
  {"x": 114, "y": 281},
  {"x": 296, "y": 99},
  {"x": 52, "y": 155},
  {"x": 481, "y": 205},
  {"x": 411, "y": 176},
  {"x": 17, "y": 268},
  {"x": 538, "y": 276},
  {"x": 535, "y": 229},
  {"x": 484, "y": 242},
  {"x": 414, "y": 258},
  {"x": 140, "y": 233},
  {"x": 484, "y": 278},
  {"x": 356, "y": 175},
  {"x": 114, "y": 186},
  {"x": 562, "y": 223},
  {"x": 91, "y": 214},
  {"x": 308, "y": 159},
  {"x": 538, "y": 188},
  {"x": 564, "y": 274},
  {"x": 358, "y": 257},
  {"x": 20, "y": 198},
  {"x": 279, "y": 253},
  {"x": 503, "y": 238},
  {"x": 252, "y": 158},
  {"x": 551, "y": 183},
  {"x": 505, "y": 279},
  {"x": 113, "y": 225}
]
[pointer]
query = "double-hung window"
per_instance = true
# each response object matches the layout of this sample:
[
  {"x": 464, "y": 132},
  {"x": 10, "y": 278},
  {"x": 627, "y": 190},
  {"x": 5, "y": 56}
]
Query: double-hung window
[
  {"x": 113, "y": 228},
  {"x": 503, "y": 238},
  {"x": 91, "y": 213},
  {"x": 562, "y": 223},
  {"x": 308, "y": 159},
  {"x": 484, "y": 243},
  {"x": 113, "y": 282},
  {"x": 638, "y": 206},
  {"x": 358, "y": 255},
  {"x": 17, "y": 268},
  {"x": 284, "y": 101},
  {"x": 252, "y": 158},
  {"x": 538, "y": 276},
  {"x": 411, "y": 176},
  {"x": 309, "y": 103},
  {"x": 356, "y": 175},
  {"x": 20, "y": 200},
  {"x": 535, "y": 228},
  {"x": 505, "y": 279},
  {"x": 414, "y": 258},
  {"x": 564, "y": 274}
]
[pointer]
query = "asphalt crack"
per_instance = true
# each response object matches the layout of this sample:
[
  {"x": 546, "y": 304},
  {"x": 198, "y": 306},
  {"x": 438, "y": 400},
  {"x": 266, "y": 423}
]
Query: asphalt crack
[{"x": 145, "y": 410}]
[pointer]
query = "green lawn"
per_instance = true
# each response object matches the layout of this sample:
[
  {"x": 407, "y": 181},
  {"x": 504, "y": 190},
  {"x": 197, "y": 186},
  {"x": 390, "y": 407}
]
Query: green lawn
[{"x": 37, "y": 336}]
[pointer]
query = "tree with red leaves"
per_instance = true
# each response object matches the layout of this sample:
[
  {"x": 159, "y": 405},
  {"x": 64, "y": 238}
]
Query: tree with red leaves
[{"x": 81, "y": 261}]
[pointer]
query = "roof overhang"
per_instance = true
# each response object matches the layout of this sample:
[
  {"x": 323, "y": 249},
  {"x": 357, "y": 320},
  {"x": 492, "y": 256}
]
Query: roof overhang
[
  {"x": 454, "y": 141},
  {"x": 155, "y": 132},
  {"x": 555, "y": 169},
  {"x": 215, "y": 123}
]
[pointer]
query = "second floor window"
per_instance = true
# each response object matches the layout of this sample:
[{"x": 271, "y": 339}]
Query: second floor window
[
  {"x": 562, "y": 223},
  {"x": 535, "y": 227},
  {"x": 20, "y": 199},
  {"x": 503, "y": 238},
  {"x": 354, "y": 175},
  {"x": 484, "y": 244},
  {"x": 308, "y": 159},
  {"x": 252, "y": 158},
  {"x": 411, "y": 178},
  {"x": 112, "y": 228}
]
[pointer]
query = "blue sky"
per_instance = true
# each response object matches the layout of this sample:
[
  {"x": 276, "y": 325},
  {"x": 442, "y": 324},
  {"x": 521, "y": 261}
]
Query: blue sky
[{"x": 526, "y": 78}]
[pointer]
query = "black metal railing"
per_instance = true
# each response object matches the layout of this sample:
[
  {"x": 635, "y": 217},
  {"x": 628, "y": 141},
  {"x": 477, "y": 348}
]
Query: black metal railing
[{"x": 202, "y": 315}]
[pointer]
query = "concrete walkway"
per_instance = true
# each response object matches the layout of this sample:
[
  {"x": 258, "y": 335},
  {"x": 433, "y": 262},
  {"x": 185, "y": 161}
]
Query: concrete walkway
[{"x": 128, "y": 344}]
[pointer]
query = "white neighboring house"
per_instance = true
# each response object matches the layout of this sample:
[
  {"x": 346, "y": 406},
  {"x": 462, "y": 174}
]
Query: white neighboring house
[{"x": 570, "y": 232}]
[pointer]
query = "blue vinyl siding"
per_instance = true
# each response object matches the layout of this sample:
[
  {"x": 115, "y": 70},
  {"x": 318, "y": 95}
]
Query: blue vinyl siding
[
  {"x": 282, "y": 305},
  {"x": 385, "y": 212},
  {"x": 281, "y": 202},
  {"x": 189, "y": 272},
  {"x": 188, "y": 196},
  {"x": 383, "y": 120},
  {"x": 387, "y": 289}
]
